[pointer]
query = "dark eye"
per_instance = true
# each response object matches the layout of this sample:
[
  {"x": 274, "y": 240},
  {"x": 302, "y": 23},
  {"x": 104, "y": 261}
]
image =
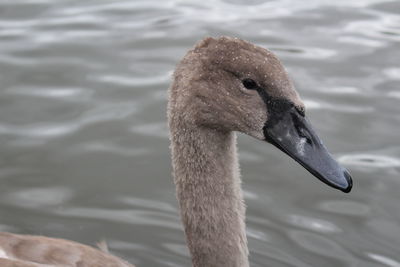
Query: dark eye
[{"x": 249, "y": 84}]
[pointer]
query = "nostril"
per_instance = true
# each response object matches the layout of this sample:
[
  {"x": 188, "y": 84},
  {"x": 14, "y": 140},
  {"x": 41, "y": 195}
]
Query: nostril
[
  {"x": 302, "y": 133},
  {"x": 308, "y": 140}
]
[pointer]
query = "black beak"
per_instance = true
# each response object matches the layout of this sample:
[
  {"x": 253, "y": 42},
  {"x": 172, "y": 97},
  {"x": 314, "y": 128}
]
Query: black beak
[{"x": 290, "y": 131}]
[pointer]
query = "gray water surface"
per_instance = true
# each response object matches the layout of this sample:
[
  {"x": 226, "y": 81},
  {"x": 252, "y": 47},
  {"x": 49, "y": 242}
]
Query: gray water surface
[{"x": 83, "y": 137}]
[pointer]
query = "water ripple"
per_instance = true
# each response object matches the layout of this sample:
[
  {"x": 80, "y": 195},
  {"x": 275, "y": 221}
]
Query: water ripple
[
  {"x": 24, "y": 2},
  {"x": 38, "y": 131},
  {"x": 361, "y": 41},
  {"x": 383, "y": 27},
  {"x": 342, "y": 90},
  {"x": 314, "y": 53},
  {"x": 158, "y": 129},
  {"x": 345, "y": 207},
  {"x": 73, "y": 20},
  {"x": 177, "y": 249},
  {"x": 61, "y": 37},
  {"x": 73, "y": 94},
  {"x": 320, "y": 245},
  {"x": 38, "y": 197},
  {"x": 128, "y": 216},
  {"x": 257, "y": 234},
  {"x": 45, "y": 61},
  {"x": 130, "y": 80},
  {"x": 370, "y": 160},
  {"x": 384, "y": 260},
  {"x": 101, "y": 113},
  {"x": 106, "y": 147},
  {"x": 313, "y": 104},
  {"x": 314, "y": 224},
  {"x": 146, "y": 203},
  {"x": 395, "y": 94},
  {"x": 392, "y": 73}
]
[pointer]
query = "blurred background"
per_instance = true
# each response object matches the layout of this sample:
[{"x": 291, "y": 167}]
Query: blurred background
[{"x": 84, "y": 142}]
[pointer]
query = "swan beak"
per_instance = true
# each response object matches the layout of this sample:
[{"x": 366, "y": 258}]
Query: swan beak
[{"x": 291, "y": 132}]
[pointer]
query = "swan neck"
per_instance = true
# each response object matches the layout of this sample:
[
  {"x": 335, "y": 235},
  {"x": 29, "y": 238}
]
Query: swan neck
[{"x": 209, "y": 192}]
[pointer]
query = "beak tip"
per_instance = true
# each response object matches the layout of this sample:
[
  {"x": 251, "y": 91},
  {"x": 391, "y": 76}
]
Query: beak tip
[{"x": 349, "y": 180}]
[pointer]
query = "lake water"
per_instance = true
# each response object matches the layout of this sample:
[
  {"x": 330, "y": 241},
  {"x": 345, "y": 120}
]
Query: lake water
[{"x": 84, "y": 144}]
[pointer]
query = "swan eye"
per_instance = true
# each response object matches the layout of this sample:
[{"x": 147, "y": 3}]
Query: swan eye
[{"x": 249, "y": 84}]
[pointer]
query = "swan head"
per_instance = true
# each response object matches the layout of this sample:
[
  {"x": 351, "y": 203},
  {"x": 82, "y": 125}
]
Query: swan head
[{"x": 228, "y": 84}]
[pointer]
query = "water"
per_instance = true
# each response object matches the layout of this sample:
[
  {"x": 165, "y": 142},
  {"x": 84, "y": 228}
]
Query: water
[{"x": 83, "y": 138}]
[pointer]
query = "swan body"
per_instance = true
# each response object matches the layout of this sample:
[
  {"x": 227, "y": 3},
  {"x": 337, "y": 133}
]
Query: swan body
[
  {"x": 220, "y": 87},
  {"x": 34, "y": 251}
]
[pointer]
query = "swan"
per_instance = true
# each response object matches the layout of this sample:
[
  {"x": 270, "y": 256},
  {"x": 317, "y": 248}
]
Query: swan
[{"x": 221, "y": 86}]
